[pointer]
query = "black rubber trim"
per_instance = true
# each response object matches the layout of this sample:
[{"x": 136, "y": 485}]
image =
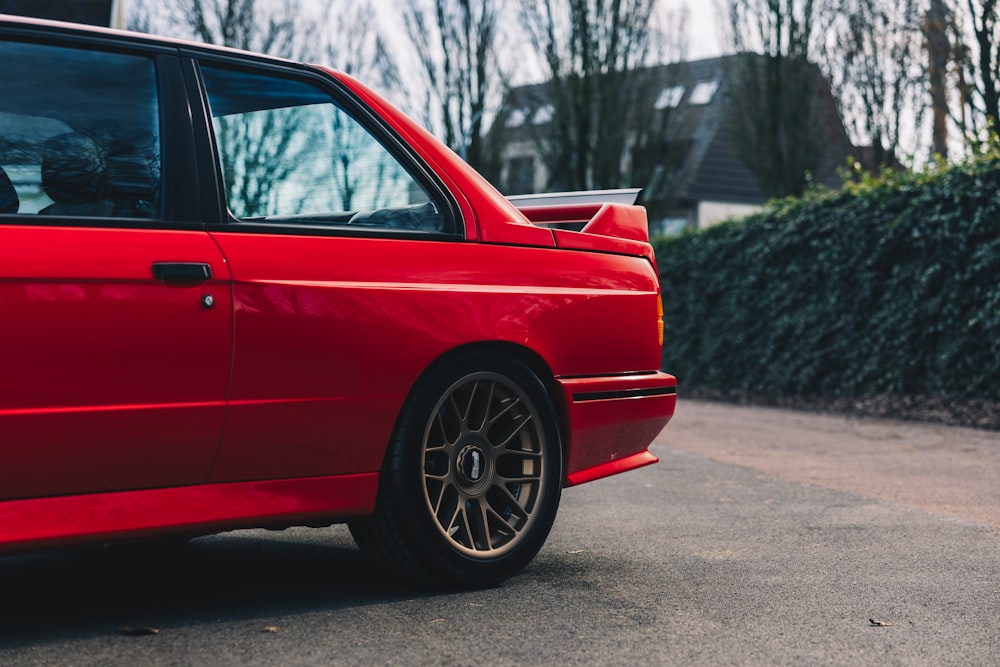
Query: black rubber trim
[
  {"x": 623, "y": 393},
  {"x": 40, "y": 31}
]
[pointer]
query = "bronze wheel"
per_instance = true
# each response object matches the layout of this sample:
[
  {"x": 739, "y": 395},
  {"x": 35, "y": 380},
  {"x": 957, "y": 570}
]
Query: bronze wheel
[{"x": 472, "y": 478}]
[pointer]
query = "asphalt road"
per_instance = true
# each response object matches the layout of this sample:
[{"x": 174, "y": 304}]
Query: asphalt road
[{"x": 763, "y": 537}]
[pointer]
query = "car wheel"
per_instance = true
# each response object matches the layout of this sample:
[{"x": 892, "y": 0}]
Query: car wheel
[{"x": 472, "y": 477}]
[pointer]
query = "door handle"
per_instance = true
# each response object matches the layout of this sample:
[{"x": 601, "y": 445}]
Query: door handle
[{"x": 182, "y": 272}]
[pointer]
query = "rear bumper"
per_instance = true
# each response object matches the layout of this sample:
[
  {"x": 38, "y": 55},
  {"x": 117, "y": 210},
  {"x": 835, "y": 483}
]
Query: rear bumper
[{"x": 612, "y": 420}]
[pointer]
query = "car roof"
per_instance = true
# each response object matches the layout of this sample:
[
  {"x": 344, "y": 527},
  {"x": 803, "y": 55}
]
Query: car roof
[{"x": 27, "y": 24}]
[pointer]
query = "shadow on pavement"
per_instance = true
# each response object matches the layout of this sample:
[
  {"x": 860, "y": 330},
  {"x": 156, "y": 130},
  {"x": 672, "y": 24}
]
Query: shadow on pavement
[{"x": 243, "y": 575}]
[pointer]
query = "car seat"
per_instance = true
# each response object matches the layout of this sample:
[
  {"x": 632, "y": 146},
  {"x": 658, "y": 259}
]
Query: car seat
[
  {"x": 9, "y": 202},
  {"x": 74, "y": 176}
]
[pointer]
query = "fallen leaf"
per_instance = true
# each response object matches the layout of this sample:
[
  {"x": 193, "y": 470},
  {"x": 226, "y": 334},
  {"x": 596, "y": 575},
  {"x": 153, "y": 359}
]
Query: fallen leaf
[
  {"x": 271, "y": 628},
  {"x": 139, "y": 632},
  {"x": 438, "y": 620},
  {"x": 576, "y": 551},
  {"x": 880, "y": 624}
]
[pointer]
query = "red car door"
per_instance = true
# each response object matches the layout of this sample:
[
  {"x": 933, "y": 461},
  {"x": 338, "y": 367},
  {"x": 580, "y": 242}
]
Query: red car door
[
  {"x": 115, "y": 352},
  {"x": 115, "y": 316}
]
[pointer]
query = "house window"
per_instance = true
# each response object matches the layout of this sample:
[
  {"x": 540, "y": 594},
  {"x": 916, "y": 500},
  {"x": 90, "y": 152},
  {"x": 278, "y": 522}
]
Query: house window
[
  {"x": 544, "y": 114},
  {"x": 521, "y": 175},
  {"x": 670, "y": 98},
  {"x": 703, "y": 93},
  {"x": 516, "y": 118}
]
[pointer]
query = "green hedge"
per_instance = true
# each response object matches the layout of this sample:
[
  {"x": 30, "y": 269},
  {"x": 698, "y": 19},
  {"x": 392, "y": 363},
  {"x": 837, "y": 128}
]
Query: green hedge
[{"x": 890, "y": 286}]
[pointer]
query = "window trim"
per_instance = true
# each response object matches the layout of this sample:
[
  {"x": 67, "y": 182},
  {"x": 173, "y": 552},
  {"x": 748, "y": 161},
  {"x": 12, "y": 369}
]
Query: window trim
[
  {"x": 409, "y": 160},
  {"x": 210, "y": 183}
]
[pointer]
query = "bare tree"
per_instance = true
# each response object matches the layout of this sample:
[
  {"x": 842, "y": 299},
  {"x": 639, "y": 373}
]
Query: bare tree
[
  {"x": 280, "y": 29},
  {"x": 462, "y": 82},
  {"x": 357, "y": 50},
  {"x": 352, "y": 46},
  {"x": 603, "y": 132},
  {"x": 776, "y": 86},
  {"x": 939, "y": 55},
  {"x": 976, "y": 36},
  {"x": 267, "y": 147},
  {"x": 875, "y": 61},
  {"x": 262, "y": 148},
  {"x": 658, "y": 140}
]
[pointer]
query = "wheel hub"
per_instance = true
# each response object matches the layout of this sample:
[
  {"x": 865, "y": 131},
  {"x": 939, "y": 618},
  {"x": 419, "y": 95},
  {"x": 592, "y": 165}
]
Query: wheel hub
[{"x": 472, "y": 464}]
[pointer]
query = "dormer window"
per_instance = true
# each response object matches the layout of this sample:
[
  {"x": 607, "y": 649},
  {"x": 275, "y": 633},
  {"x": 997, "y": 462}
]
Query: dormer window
[
  {"x": 703, "y": 93},
  {"x": 544, "y": 115},
  {"x": 670, "y": 98},
  {"x": 516, "y": 118}
]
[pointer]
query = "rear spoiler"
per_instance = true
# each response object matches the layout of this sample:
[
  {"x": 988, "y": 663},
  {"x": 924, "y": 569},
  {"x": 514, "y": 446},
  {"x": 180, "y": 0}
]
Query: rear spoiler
[
  {"x": 627, "y": 196},
  {"x": 600, "y": 220}
]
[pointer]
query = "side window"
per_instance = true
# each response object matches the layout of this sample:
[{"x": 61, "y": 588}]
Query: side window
[
  {"x": 290, "y": 154},
  {"x": 79, "y": 133}
]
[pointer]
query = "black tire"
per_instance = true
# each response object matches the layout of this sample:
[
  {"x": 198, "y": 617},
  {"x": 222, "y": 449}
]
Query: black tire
[{"x": 472, "y": 477}]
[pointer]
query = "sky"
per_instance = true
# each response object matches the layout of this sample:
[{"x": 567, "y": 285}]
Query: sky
[
  {"x": 703, "y": 25},
  {"x": 703, "y": 19}
]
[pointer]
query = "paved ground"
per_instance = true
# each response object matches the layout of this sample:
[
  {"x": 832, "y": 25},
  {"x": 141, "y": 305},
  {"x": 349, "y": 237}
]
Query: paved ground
[
  {"x": 740, "y": 548},
  {"x": 948, "y": 470}
]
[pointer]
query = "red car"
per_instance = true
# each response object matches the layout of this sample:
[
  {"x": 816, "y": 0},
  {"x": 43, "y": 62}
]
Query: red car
[{"x": 243, "y": 292}]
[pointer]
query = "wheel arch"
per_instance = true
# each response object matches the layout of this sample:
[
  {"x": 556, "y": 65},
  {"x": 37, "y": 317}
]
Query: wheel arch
[
  {"x": 535, "y": 363},
  {"x": 401, "y": 536}
]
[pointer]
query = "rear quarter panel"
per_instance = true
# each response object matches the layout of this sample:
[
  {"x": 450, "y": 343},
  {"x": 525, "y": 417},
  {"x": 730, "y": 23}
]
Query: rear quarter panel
[{"x": 332, "y": 332}]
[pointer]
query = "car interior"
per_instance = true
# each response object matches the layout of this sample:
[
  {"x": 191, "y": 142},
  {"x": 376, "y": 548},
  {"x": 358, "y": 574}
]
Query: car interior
[{"x": 78, "y": 133}]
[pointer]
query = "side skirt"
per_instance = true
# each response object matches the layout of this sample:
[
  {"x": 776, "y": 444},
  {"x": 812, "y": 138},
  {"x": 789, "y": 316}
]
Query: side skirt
[{"x": 206, "y": 508}]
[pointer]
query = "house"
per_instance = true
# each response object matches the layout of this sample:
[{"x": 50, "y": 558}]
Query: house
[{"x": 699, "y": 172}]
